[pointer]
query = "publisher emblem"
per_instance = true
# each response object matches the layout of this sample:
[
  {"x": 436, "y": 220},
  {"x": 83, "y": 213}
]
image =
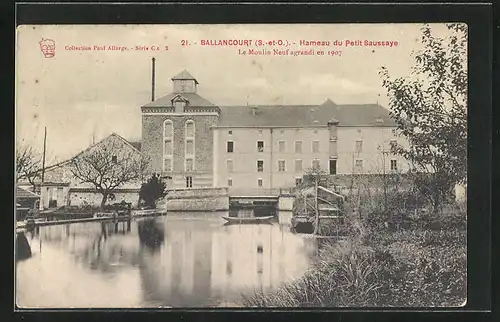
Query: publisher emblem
[{"x": 48, "y": 47}]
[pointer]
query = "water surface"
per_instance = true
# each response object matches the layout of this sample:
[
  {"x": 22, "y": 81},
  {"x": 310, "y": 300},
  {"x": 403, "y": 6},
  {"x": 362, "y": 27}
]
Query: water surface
[{"x": 182, "y": 260}]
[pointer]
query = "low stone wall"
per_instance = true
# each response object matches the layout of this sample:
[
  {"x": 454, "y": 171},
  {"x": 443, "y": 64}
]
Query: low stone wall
[
  {"x": 197, "y": 199},
  {"x": 93, "y": 198}
]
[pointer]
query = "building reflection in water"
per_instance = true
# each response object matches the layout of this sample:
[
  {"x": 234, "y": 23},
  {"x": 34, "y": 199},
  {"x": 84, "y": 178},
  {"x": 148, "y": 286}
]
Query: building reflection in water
[
  {"x": 181, "y": 262},
  {"x": 202, "y": 265}
]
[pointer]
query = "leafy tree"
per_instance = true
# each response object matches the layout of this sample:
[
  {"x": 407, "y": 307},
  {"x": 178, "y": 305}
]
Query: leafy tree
[
  {"x": 28, "y": 164},
  {"x": 153, "y": 190},
  {"x": 430, "y": 109},
  {"x": 107, "y": 166}
]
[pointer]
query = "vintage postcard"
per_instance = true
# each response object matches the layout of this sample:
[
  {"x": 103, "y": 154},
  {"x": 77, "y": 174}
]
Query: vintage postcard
[{"x": 248, "y": 165}]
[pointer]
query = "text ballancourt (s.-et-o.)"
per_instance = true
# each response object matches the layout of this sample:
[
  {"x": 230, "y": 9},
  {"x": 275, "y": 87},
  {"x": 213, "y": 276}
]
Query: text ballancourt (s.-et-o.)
[{"x": 280, "y": 47}]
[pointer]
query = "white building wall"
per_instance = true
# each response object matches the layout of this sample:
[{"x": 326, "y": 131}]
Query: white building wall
[
  {"x": 245, "y": 155},
  {"x": 374, "y": 140}
]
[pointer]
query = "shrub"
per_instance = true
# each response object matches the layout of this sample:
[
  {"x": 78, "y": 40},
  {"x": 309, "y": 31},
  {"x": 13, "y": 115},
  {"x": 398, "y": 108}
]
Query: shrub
[
  {"x": 405, "y": 268},
  {"x": 152, "y": 190}
]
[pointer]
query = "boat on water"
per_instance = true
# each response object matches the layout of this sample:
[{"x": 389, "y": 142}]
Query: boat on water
[{"x": 248, "y": 220}]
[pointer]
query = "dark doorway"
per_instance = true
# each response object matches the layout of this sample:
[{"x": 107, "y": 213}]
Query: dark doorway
[{"x": 333, "y": 166}]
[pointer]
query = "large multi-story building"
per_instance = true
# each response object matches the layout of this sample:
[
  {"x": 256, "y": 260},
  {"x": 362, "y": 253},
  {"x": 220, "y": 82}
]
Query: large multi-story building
[{"x": 200, "y": 144}]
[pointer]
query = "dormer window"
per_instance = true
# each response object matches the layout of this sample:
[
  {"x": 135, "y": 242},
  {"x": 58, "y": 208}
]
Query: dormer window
[
  {"x": 179, "y": 106},
  {"x": 179, "y": 103}
]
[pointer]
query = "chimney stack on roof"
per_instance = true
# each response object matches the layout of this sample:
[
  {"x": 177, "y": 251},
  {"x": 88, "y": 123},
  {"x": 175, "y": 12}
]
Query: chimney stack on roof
[{"x": 254, "y": 110}]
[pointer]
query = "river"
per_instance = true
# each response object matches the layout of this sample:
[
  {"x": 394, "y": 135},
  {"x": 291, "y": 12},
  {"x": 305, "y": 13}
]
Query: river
[{"x": 181, "y": 260}]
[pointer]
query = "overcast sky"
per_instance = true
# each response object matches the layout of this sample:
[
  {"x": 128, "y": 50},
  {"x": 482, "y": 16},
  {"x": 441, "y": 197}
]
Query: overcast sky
[{"x": 81, "y": 94}]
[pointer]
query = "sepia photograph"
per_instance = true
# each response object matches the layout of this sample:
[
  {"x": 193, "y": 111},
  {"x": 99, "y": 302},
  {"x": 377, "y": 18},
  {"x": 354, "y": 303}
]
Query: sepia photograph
[{"x": 241, "y": 166}]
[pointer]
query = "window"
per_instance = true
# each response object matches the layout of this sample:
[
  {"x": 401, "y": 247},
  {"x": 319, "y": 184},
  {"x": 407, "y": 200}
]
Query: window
[
  {"x": 189, "y": 182},
  {"x": 359, "y": 146},
  {"x": 189, "y": 165},
  {"x": 281, "y": 166},
  {"x": 298, "y": 165},
  {"x": 189, "y": 129},
  {"x": 393, "y": 144},
  {"x": 282, "y": 132},
  {"x": 229, "y": 166},
  {"x": 229, "y": 182},
  {"x": 168, "y": 128},
  {"x": 260, "y": 146},
  {"x": 179, "y": 106},
  {"x": 189, "y": 147},
  {"x": 114, "y": 159},
  {"x": 167, "y": 165},
  {"x": 315, "y": 131},
  {"x": 315, "y": 163},
  {"x": 183, "y": 85},
  {"x": 168, "y": 147},
  {"x": 359, "y": 165},
  {"x": 230, "y": 147},
  {"x": 230, "y": 132},
  {"x": 260, "y": 166},
  {"x": 298, "y": 146},
  {"x": 260, "y": 132},
  {"x": 298, "y": 181},
  {"x": 281, "y": 146},
  {"x": 333, "y": 166},
  {"x": 315, "y": 146},
  {"x": 259, "y": 182},
  {"x": 394, "y": 165},
  {"x": 168, "y": 133}
]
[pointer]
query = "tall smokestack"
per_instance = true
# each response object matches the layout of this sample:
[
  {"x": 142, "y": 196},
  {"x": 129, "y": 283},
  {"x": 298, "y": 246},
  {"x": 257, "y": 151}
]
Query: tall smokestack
[{"x": 153, "y": 81}]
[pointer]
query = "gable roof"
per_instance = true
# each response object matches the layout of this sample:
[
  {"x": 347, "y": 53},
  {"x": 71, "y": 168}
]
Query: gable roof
[
  {"x": 25, "y": 194},
  {"x": 90, "y": 147},
  {"x": 305, "y": 115},
  {"x": 184, "y": 75},
  {"x": 194, "y": 99}
]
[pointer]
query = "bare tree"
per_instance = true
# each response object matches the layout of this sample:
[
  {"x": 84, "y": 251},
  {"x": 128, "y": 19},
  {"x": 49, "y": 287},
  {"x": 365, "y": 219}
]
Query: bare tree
[
  {"x": 28, "y": 164},
  {"x": 107, "y": 166},
  {"x": 315, "y": 176}
]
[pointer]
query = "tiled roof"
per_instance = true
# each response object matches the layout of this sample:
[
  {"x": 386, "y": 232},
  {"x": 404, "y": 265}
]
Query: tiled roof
[
  {"x": 305, "y": 115},
  {"x": 194, "y": 99},
  {"x": 90, "y": 147},
  {"x": 25, "y": 194},
  {"x": 184, "y": 75}
]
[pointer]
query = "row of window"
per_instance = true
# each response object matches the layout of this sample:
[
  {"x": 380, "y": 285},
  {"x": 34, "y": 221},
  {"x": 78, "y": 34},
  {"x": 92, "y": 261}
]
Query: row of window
[
  {"x": 168, "y": 128},
  {"x": 298, "y": 146},
  {"x": 358, "y": 165},
  {"x": 281, "y": 165},
  {"x": 230, "y": 132},
  {"x": 281, "y": 146},
  {"x": 188, "y": 164},
  {"x": 298, "y": 180},
  {"x": 260, "y": 182},
  {"x": 315, "y": 164},
  {"x": 169, "y": 150}
]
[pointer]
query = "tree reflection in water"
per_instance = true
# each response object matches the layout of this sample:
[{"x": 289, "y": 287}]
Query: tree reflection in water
[
  {"x": 151, "y": 234},
  {"x": 108, "y": 249}
]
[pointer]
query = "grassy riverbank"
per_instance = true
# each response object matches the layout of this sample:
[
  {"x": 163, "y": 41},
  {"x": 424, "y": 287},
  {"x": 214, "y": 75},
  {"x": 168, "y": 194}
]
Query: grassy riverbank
[{"x": 423, "y": 265}]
